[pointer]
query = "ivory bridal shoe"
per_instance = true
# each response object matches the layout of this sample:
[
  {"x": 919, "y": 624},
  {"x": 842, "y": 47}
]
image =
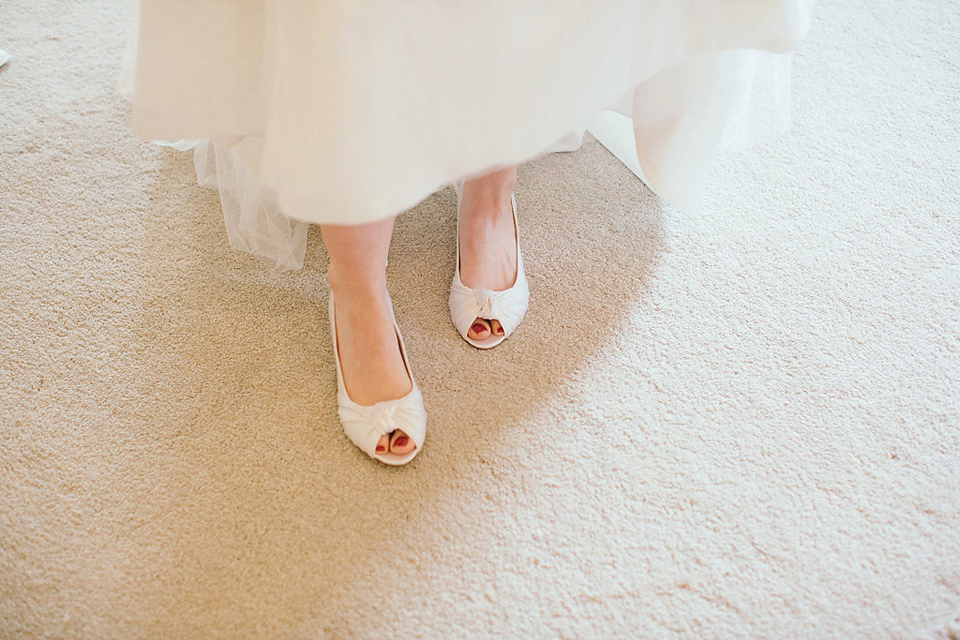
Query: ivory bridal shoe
[
  {"x": 507, "y": 307},
  {"x": 365, "y": 425}
]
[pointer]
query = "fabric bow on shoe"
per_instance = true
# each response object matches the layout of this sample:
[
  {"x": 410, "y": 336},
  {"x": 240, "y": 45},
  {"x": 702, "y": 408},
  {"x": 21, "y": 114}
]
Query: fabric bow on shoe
[
  {"x": 488, "y": 305},
  {"x": 365, "y": 425},
  {"x": 508, "y": 307}
]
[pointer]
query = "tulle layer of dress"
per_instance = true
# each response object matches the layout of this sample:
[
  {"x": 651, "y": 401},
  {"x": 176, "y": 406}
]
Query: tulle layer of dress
[{"x": 349, "y": 111}]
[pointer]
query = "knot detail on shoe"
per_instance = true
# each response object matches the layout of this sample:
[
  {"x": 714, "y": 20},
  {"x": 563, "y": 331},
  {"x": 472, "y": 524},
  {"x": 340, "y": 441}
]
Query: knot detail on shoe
[
  {"x": 508, "y": 307},
  {"x": 382, "y": 416},
  {"x": 486, "y": 303},
  {"x": 365, "y": 425}
]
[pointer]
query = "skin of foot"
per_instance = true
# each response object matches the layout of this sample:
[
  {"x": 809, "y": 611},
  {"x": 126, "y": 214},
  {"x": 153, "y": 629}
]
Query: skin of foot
[
  {"x": 488, "y": 240},
  {"x": 373, "y": 369}
]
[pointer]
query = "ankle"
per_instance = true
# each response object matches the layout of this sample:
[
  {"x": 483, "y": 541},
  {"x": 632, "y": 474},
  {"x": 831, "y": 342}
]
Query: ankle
[
  {"x": 494, "y": 188},
  {"x": 490, "y": 207},
  {"x": 364, "y": 288},
  {"x": 485, "y": 213}
]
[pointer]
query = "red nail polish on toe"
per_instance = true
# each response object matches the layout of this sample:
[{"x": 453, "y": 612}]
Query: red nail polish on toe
[
  {"x": 479, "y": 328},
  {"x": 381, "y": 448},
  {"x": 401, "y": 441}
]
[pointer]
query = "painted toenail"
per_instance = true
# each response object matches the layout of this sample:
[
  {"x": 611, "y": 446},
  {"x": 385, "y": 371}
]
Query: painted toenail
[
  {"x": 401, "y": 441},
  {"x": 479, "y": 328},
  {"x": 381, "y": 448}
]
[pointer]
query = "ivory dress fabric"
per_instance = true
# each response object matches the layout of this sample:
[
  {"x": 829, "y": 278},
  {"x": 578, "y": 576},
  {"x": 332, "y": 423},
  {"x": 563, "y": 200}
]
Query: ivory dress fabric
[{"x": 349, "y": 111}]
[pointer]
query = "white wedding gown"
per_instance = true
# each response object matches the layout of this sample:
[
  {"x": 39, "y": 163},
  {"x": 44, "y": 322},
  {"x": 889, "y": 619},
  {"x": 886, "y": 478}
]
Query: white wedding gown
[{"x": 349, "y": 111}]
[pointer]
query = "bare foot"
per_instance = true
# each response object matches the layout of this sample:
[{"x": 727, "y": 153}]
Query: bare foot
[
  {"x": 373, "y": 369},
  {"x": 488, "y": 240}
]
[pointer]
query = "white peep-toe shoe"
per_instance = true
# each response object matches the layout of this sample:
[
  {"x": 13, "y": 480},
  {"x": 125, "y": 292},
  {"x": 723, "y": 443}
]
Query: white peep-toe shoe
[
  {"x": 508, "y": 306},
  {"x": 365, "y": 425}
]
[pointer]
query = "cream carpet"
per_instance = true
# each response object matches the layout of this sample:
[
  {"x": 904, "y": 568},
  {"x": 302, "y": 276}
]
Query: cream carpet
[{"x": 740, "y": 423}]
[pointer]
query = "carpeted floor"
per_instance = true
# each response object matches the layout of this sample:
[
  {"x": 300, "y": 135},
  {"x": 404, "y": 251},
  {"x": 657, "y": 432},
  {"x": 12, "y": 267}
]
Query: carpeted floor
[{"x": 740, "y": 423}]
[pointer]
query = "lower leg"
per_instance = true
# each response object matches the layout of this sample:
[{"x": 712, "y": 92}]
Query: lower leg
[
  {"x": 373, "y": 370},
  {"x": 488, "y": 256}
]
